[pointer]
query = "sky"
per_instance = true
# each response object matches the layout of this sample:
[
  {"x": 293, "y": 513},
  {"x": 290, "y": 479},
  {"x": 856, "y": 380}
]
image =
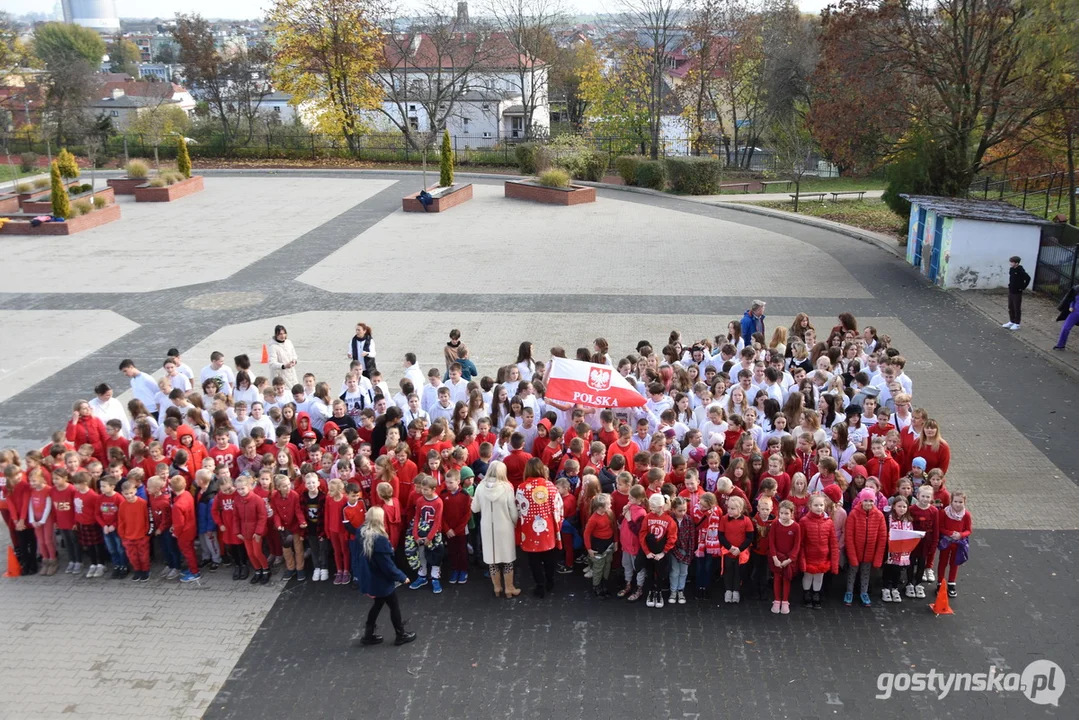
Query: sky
[{"x": 244, "y": 9}]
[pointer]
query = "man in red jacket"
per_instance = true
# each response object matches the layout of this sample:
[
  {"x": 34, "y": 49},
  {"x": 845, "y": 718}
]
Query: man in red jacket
[
  {"x": 456, "y": 512},
  {"x": 185, "y": 526}
]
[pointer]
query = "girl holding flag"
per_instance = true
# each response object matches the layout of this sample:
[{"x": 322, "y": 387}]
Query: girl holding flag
[{"x": 902, "y": 539}]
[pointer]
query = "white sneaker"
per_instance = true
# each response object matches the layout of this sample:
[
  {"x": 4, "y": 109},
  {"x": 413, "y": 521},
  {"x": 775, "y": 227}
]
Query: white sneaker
[
  {"x": 673, "y": 597},
  {"x": 1007, "y": 325},
  {"x": 92, "y": 571},
  {"x": 659, "y": 598},
  {"x": 736, "y": 597},
  {"x": 588, "y": 572},
  {"x": 77, "y": 570},
  {"x": 165, "y": 572},
  {"x": 651, "y": 601},
  {"x": 324, "y": 574},
  {"x": 930, "y": 575},
  {"x": 919, "y": 591},
  {"x": 1015, "y": 326},
  {"x": 910, "y": 591},
  {"x": 70, "y": 568},
  {"x": 727, "y": 596},
  {"x": 886, "y": 595},
  {"x": 897, "y": 597},
  {"x": 172, "y": 574},
  {"x": 681, "y": 597}
]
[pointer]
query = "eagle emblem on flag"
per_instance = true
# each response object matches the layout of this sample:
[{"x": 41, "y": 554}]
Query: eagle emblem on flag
[{"x": 599, "y": 379}]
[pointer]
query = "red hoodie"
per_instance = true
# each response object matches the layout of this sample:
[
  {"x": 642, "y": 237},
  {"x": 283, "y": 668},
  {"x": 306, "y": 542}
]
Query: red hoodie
[{"x": 196, "y": 452}]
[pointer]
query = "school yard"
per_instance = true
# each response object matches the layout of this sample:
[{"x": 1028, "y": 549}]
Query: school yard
[{"x": 319, "y": 251}]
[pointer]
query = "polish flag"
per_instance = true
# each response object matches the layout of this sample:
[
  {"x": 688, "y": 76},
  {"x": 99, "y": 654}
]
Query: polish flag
[
  {"x": 590, "y": 384},
  {"x": 904, "y": 541}
]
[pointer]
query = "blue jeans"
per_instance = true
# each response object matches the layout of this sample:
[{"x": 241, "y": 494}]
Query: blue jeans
[
  {"x": 116, "y": 549},
  {"x": 679, "y": 573},
  {"x": 170, "y": 548}
]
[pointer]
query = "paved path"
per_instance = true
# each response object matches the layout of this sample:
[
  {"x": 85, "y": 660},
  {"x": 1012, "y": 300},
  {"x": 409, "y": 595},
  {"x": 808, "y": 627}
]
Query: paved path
[
  {"x": 771, "y": 197},
  {"x": 554, "y": 278}
]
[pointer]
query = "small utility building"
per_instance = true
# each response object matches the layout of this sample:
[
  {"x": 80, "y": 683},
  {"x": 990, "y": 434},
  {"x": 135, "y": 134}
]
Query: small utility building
[{"x": 965, "y": 244}]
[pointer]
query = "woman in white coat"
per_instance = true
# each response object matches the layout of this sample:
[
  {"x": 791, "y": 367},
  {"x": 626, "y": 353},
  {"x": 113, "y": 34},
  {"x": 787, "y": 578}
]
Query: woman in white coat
[
  {"x": 494, "y": 501},
  {"x": 283, "y": 358}
]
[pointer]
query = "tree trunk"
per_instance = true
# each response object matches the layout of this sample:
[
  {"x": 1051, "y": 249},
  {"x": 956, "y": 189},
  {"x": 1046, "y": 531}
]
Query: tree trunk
[
  {"x": 797, "y": 186},
  {"x": 1069, "y": 138}
]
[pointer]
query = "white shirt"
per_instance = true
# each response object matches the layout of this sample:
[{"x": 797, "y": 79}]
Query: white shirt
[
  {"x": 320, "y": 413},
  {"x": 429, "y": 396},
  {"x": 224, "y": 373},
  {"x": 249, "y": 396},
  {"x": 144, "y": 388},
  {"x": 415, "y": 376},
  {"x": 113, "y": 409},
  {"x": 458, "y": 391},
  {"x": 527, "y": 369},
  {"x": 407, "y": 416},
  {"x": 180, "y": 382}
]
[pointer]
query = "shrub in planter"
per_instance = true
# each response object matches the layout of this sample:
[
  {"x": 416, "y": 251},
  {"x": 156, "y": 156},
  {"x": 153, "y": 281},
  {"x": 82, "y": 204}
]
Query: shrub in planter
[
  {"x": 28, "y": 161},
  {"x": 61, "y": 203},
  {"x": 40, "y": 183},
  {"x": 526, "y": 157},
  {"x": 82, "y": 207},
  {"x": 158, "y": 182},
  {"x": 25, "y": 187},
  {"x": 69, "y": 169},
  {"x": 652, "y": 174},
  {"x": 85, "y": 187},
  {"x": 626, "y": 166},
  {"x": 593, "y": 166},
  {"x": 554, "y": 177},
  {"x": 137, "y": 169},
  {"x": 445, "y": 161},
  {"x": 694, "y": 175},
  {"x": 183, "y": 159},
  {"x": 99, "y": 202}
]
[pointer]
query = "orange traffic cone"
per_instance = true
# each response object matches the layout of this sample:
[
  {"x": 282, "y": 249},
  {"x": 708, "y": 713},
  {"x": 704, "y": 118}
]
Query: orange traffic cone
[
  {"x": 940, "y": 606},
  {"x": 14, "y": 570},
  {"x": 265, "y": 355}
]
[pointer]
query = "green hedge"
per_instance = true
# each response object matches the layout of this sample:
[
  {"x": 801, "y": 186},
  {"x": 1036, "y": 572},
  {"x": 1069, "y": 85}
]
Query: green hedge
[
  {"x": 652, "y": 174},
  {"x": 526, "y": 158},
  {"x": 694, "y": 175},
  {"x": 626, "y": 166}
]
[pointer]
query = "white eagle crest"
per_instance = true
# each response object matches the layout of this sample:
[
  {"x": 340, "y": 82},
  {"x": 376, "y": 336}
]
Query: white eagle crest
[{"x": 599, "y": 379}]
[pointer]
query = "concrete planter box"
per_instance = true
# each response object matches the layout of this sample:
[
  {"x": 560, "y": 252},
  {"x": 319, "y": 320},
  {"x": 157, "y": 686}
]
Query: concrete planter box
[
  {"x": 44, "y": 206},
  {"x": 573, "y": 195},
  {"x": 105, "y": 215},
  {"x": 125, "y": 185},
  {"x": 9, "y": 203},
  {"x": 145, "y": 193},
  {"x": 449, "y": 197}
]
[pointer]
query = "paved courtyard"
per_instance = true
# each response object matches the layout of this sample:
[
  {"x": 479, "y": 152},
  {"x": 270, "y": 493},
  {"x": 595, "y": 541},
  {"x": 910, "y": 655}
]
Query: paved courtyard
[{"x": 320, "y": 252}]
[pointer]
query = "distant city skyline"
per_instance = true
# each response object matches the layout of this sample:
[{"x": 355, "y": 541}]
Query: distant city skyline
[{"x": 248, "y": 9}]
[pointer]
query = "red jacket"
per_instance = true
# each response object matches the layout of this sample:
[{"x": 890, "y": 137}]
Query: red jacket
[
  {"x": 887, "y": 471},
  {"x": 223, "y": 511},
  {"x": 820, "y": 546},
  {"x": 866, "y": 536},
  {"x": 196, "y": 453},
  {"x": 90, "y": 430},
  {"x": 250, "y": 515},
  {"x": 286, "y": 511},
  {"x": 456, "y": 512},
  {"x": 184, "y": 520}
]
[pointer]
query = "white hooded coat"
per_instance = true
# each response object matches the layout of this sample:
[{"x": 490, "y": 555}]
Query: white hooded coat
[{"x": 495, "y": 502}]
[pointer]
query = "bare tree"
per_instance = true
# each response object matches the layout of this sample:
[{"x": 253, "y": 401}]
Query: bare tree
[
  {"x": 432, "y": 62},
  {"x": 794, "y": 149},
  {"x": 656, "y": 24},
  {"x": 524, "y": 29}
]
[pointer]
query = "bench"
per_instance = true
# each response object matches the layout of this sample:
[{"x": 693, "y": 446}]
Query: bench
[
  {"x": 859, "y": 193},
  {"x": 803, "y": 196},
  {"x": 744, "y": 186},
  {"x": 765, "y": 184}
]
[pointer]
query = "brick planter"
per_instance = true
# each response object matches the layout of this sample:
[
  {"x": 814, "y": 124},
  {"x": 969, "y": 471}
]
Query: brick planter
[
  {"x": 105, "y": 215},
  {"x": 44, "y": 207},
  {"x": 125, "y": 185},
  {"x": 145, "y": 193},
  {"x": 456, "y": 195},
  {"x": 36, "y": 195},
  {"x": 9, "y": 203},
  {"x": 573, "y": 195}
]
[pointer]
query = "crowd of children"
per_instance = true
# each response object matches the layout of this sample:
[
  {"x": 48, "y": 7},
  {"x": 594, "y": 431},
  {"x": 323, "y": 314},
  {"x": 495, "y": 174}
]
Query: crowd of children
[{"x": 752, "y": 461}]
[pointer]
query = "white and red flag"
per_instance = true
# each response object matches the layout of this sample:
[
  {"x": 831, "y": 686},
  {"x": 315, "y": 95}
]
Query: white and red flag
[
  {"x": 590, "y": 384},
  {"x": 904, "y": 541}
]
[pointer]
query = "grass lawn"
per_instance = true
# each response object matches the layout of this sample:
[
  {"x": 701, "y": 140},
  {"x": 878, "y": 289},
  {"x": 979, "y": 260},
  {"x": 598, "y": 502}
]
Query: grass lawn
[
  {"x": 840, "y": 184},
  {"x": 867, "y": 214},
  {"x": 6, "y": 172}
]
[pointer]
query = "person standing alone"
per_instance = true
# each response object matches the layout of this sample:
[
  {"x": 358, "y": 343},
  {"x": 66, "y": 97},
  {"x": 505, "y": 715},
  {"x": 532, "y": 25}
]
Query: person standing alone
[{"x": 1018, "y": 280}]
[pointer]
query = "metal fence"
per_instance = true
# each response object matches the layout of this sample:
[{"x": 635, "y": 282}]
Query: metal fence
[
  {"x": 1044, "y": 194},
  {"x": 469, "y": 150},
  {"x": 1056, "y": 270}
]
